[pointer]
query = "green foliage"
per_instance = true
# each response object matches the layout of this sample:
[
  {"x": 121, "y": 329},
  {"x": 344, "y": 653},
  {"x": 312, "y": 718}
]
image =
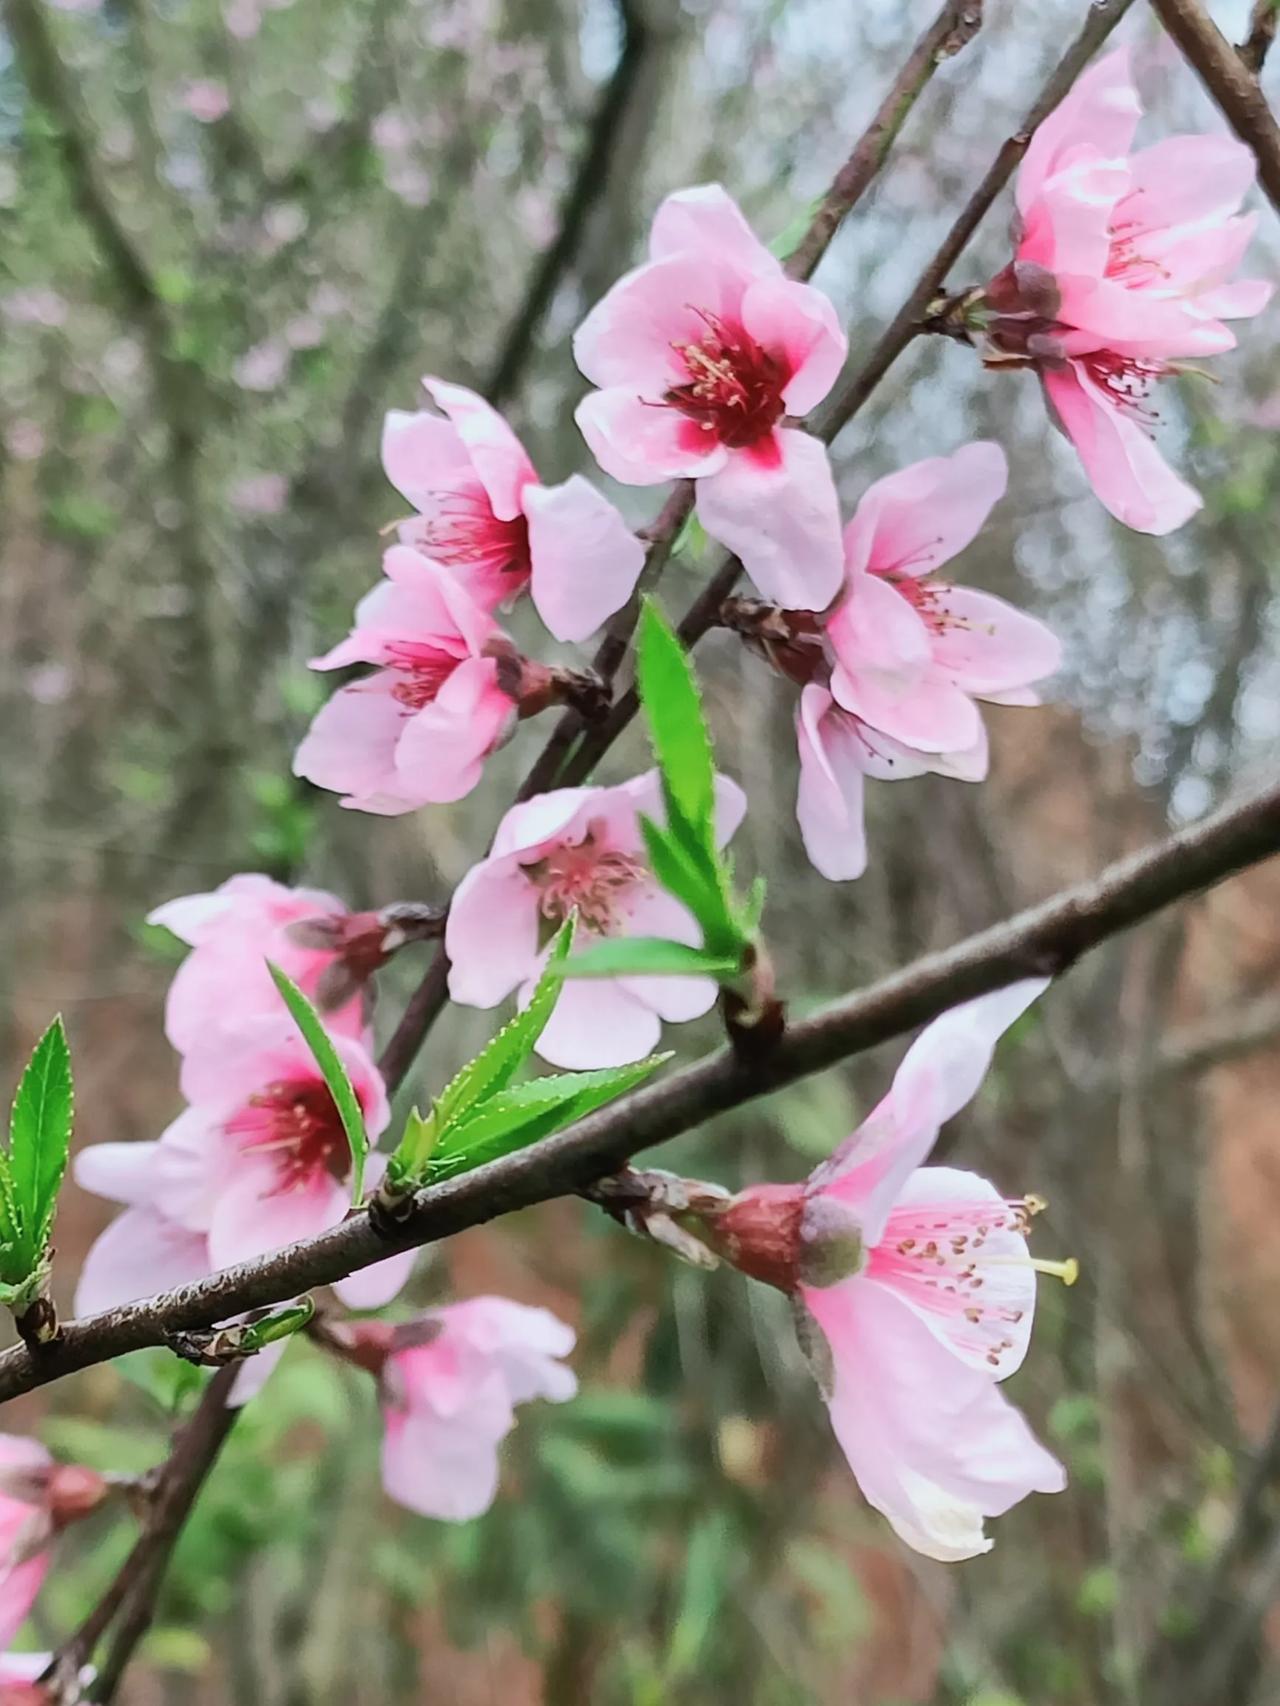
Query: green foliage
[
  {"x": 332, "y": 1070},
  {"x": 481, "y": 1114},
  {"x": 32, "y": 1167},
  {"x": 684, "y": 853}
]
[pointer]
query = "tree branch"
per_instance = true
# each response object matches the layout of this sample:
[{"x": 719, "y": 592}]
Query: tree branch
[
  {"x": 1041, "y": 941},
  {"x": 1254, "y": 48},
  {"x": 1233, "y": 84}
]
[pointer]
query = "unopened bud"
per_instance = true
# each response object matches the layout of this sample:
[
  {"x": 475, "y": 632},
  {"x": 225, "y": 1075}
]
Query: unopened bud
[{"x": 74, "y": 1492}]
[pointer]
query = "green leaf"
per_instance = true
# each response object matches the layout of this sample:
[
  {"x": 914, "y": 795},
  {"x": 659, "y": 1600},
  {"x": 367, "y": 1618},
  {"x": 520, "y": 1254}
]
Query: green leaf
[
  {"x": 701, "y": 883},
  {"x": 677, "y": 728},
  {"x": 39, "y": 1143},
  {"x": 521, "y": 1114},
  {"x": 278, "y": 1324},
  {"x": 648, "y": 956},
  {"x": 501, "y": 1058},
  {"x": 332, "y": 1070}
]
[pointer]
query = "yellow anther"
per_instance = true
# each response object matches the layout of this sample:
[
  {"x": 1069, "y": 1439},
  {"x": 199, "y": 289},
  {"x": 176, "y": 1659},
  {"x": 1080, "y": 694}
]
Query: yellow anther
[{"x": 1068, "y": 1272}]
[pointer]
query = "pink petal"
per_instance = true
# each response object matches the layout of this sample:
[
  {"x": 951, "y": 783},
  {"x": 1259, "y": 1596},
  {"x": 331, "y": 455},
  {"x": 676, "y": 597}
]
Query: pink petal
[
  {"x": 1067, "y": 229},
  {"x": 496, "y": 453},
  {"x": 442, "y": 748},
  {"x": 424, "y": 457},
  {"x": 19, "y": 1586},
  {"x": 781, "y": 517},
  {"x": 351, "y": 748},
  {"x": 254, "y": 1374},
  {"x": 800, "y": 324},
  {"x": 933, "y": 1445},
  {"x": 986, "y": 645},
  {"x": 375, "y": 1286},
  {"x": 1239, "y": 301},
  {"x": 1101, "y": 113},
  {"x": 120, "y": 1172},
  {"x": 491, "y": 937},
  {"x": 706, "y": 221},
  {"x": 941, "y": 1072},
  {"x": 138, "y": 1255},
  {"x": 522, "y": 1341},
  {"x": 647, "y": 911},
  {"x": 1109, "y": 315},
  {"x": 596, "y": 1023},
  {"x": 640, "y": 441},
  {"x": 1185, "y": 180},
  {"x": 564, "y": 813},
  {"x": 829, "y": 801},
  {"x": 952, "y": 1253},
  {"x": 632, "y": 337},
  {"x": 253, "y": 1218},
  {"x": 586, "y": 560},
  {"x": 1128, "y": 474},
  {"x": 438, "y": 1468},
  {"x": 915, "y": 520}
]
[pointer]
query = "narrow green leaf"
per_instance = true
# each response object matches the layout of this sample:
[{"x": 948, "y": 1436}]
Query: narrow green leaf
[
  {"x": 648, "y": 956},
  {"x": 278, "y": 1324},
  {"x": 40, "y": 1141},
  {"x": 10, "y": 1223},
  {"x": 332, "y": 1070},
  {"x": 415, "y": 1148},
  {"x": 677, "y": 728},
  {"x": 503, "y": 1056},
  {"x": 521, "y": 1114},
  {"x": 701, "y": 885}
]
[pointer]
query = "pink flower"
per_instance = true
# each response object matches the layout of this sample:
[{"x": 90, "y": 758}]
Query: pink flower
[
  {"x": 38, "y": 1497},
  {"x": 915, "y": 1295},
  {"x": 702, "y": 353},
  {"x": 233, "y": 932},
  {"x": 1122, "y": 270},
  {"x": 483, "y": 512},
  {"x": 449, "y": 1384},
  {"x": 206, "y": 100},
  {"x": 912, "y": 651},
  {"x": 19, "y": 1673},
  {"x": 419, "y": 728},
  {"x": 258, "y": 1160},
  {"x": 578, "y": 849}
]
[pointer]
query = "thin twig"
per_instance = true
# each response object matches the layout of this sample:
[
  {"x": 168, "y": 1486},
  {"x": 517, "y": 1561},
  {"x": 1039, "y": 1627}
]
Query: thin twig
[
  {"x": 1041, "y": 941},
  {"x": 132, "y": 1593},
  {"x": 588, "y": 185},
  {"x": 1231, "y": 82},
  {"x": 1254, "y": 48}
]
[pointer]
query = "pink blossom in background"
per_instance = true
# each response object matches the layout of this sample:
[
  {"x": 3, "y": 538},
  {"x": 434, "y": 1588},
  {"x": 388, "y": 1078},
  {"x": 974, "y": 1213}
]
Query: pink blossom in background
[
  {"x": 206, "y": 100},
  {"x": 38, "y": 1497},
  {"x": 243, "y": 18},
  {"x": 224, "y": 983},
  {"x": 578, "y": 849},
  {"x": 260, "y": 494},
  {"x": 449, "y": 1388},
  {"x": 915, "y": 1295},
  {"x": 702, "y": 354},
  {"x": 1122, "y": 273},
  {"x": 258, "y": 1160},
  {"x": 419, "y": 728},
  {"x": 263, "y": 367},
  {"x": 483, "y": 512}
]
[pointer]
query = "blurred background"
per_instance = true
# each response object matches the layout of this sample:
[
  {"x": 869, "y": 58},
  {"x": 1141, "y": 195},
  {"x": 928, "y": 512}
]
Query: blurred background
[{"x": 232, "y": 236}]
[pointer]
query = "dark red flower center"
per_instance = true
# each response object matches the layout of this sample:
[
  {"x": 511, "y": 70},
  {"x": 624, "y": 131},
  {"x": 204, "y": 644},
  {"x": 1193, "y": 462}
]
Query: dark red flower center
[
  {"x": 463, "y": 532},
  {"x": 297, "y": 1125},
  {"x": 421, "y": 672},
  {"x": 734, "y": 390},
  {"x": 1126, "y": 379}
]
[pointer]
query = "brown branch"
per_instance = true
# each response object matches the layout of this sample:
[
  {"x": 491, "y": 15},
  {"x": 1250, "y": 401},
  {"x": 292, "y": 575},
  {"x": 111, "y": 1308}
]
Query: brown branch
[
  {"x": 131, "y": 1594},
  {"x": 587, "y": 186},
  {"x": 1041, "y": 941},
  {"x": 956, "y": 23},
  {"x": 1254, "y": 48},
  {"x": 1230, "y": 81}
]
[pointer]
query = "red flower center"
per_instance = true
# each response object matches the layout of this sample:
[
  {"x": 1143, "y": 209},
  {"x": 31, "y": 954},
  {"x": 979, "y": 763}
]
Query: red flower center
[
  {"x": 585, "y": 876},
  {"x": 423, "y": 671},
  {"x": 1127, "y": 381},
  {"x": 463, "y": 532},
  {"x": 734, "y": 391},
  {"x": 296, "y": 1123}
]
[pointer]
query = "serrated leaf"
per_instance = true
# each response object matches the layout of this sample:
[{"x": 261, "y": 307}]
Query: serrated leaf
[
  {"x": 649, "y": 956},
  {"x": 677, "y": 727},
  {"x": 10, "y": 1225},
  {"x": 521, "y": 1114},
  {"x": 503, "y": 1056},
  {"x": 699, "y": 884},
  {"x": 332, "y": 1071},
  {"x": 39, "y": 1143}
]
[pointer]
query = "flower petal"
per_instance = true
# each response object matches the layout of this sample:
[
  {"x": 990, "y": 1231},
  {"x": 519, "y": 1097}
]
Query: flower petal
[
  {"x": 800, "y": 324},
  {"x": 120, "y": 1172},
  {"x": 933, "y": 1445},
  {"x": 1128, "y": 474},
  {"x": 780, "y": 515},
  {"x": 350, "y": 747},
  {"x": 424, "y": 457},
  {"x": 442, "y": 747},
  {"x": 586, "y": 560},
  {"x": 596, "y": 1023},
  {"x": 641, "y": 441},
  {"x": 986, "y": 645},
  {"x": 706, "y": 221},
  {"x": 139, "y": 1254},
  {"x": 912, "y": 522},
  {"x": 829, "y": 799},
  {"x": 491, "y": 936},
  {"x": 633, "y": 336},
  {"x": 497, "y": 455},
  {"x": 1100, "y": 113}
]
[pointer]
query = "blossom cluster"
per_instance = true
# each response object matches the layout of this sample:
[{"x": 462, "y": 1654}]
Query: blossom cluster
[{"x": 912, "y": 1286}]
